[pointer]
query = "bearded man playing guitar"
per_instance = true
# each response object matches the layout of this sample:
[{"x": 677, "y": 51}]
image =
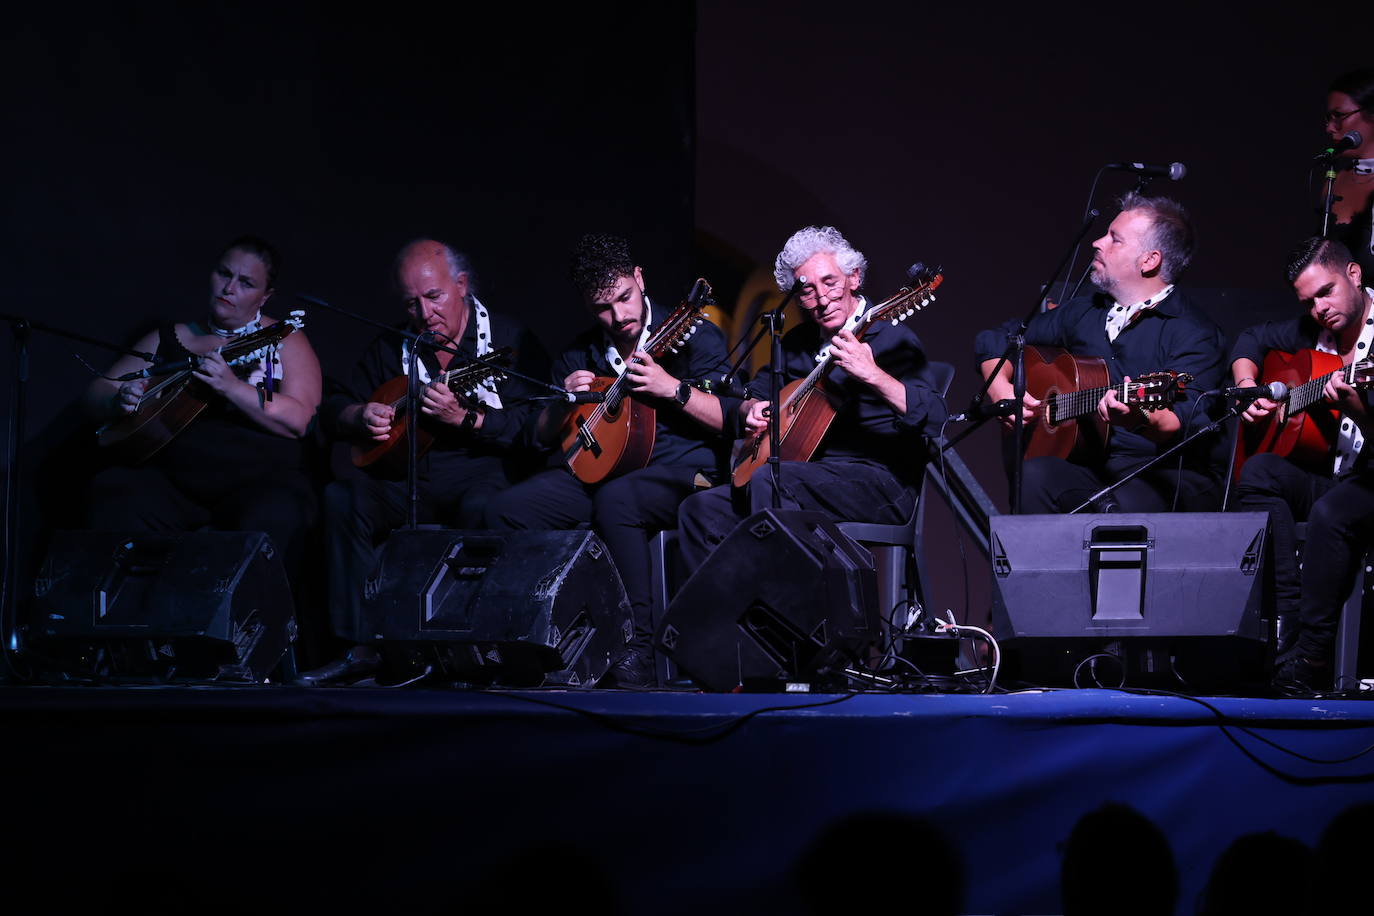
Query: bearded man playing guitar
[
  {"x": 627, "y": 502},
  {"x": 1137, "y": 323},
  {"x": 472, "y": 439},
  {"x": 869, "y": 464},
  {"x": 1334, "y": 492}
]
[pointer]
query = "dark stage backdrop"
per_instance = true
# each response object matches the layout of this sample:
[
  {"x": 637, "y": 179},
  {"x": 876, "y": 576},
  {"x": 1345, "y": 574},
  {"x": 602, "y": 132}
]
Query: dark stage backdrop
[
  {"x": 968, "y": 135},
  {"x": 143, "y": 136}
]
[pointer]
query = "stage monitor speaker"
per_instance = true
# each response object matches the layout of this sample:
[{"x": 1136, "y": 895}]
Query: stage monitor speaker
[
  {"x": 519, "y": 608},
  {"x": 786, "y": 597},
  {"x": 1151, "y": 587},
  {"x": 199, "y": 605}
]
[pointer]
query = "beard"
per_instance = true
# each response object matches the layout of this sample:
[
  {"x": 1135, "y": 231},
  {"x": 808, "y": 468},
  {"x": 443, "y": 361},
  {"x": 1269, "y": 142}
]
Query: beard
[{"x": 1101, "y": 280}]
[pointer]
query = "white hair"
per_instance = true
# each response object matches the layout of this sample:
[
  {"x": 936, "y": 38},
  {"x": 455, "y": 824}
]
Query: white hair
[{"x": 809, "y": 242}]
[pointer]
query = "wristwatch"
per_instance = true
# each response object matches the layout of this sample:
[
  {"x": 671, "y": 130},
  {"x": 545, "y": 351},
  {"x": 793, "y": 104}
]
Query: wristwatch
[{"x": 684, "y": 393}]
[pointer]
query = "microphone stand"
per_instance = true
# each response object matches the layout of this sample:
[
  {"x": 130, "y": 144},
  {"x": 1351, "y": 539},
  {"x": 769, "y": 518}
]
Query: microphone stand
[
  {"x": 413, "y": 387},
  {"x": 22, "y": 328},
  {"x": 1015, "y": 353},
  {"x": 1233, "y": 411},
  {"x": 1329, "y": 196},
  {"x": 773, "y": 321}
]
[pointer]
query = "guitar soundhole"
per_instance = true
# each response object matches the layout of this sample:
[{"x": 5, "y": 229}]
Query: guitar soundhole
[{"x": 1050, "y": 410}]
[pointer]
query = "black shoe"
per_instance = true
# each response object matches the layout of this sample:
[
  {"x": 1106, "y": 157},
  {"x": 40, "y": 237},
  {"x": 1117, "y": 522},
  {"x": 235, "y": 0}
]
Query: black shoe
[
  {"x": 1296, "y": 675},
  {"x": 354, "y": 665},
  {"x": 634, "y": 670}
]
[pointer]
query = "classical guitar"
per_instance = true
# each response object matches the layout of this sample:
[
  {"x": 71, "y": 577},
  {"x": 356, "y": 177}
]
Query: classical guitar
[
  {"x": 600, "y": 441},
  {"x": 1300, "y": 430},
  {"x": 1070, "y": 388},
  {"x": 806, "y": 407},
  {"x": 168, "y": 405},
  {"x": 463, "y": 381}
]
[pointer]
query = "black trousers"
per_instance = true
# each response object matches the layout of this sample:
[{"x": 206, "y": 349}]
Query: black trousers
[
  {"x": 1340, "y": 527},
  {"x": 148, "y": 498},
  {"x": 625, "y": 513},
  {"x": 360, "y": 514},
  {"x": 1052, "y": 485},
  {"x": 852, "y": 490}
]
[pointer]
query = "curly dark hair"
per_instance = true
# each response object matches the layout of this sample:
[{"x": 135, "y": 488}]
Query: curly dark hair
[
  {"x": 598, "y": 261},
  {"x": 264, "y": 249},
  {"x": 1316, "y": 250}
]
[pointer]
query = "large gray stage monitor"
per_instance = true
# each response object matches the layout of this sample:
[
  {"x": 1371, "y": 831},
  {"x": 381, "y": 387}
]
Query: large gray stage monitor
[{"x": 1176, "y": 598}]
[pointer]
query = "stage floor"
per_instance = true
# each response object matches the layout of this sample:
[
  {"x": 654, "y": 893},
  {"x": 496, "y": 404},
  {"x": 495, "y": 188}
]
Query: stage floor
[{"x": 420, "y": 800}]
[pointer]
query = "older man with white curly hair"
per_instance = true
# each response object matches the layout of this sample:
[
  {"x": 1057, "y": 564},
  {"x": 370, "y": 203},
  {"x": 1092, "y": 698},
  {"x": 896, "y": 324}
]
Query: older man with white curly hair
[{"x": 869, "y": 464}]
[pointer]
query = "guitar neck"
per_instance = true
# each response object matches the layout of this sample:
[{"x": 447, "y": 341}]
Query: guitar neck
[
  {"x": 1072, "y": 404},
  {"x": 1308, "y": 393}
]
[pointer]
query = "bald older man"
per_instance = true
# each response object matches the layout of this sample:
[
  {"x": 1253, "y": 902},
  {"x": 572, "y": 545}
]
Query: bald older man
[{"x": 475, "y": 451}]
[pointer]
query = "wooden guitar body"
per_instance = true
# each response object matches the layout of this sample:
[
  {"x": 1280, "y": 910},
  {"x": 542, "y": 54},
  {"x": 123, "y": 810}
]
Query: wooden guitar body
[
  {"x": 1303, "y": 436},
  {"x": 167, "y": 409},
  {"x": 801, "y": 427},
  {"x": 1051, "y": 374},
  {"x": 170, "y": 404},
  {"x": 807, "y": 408},
  {"x": 600, "y": 441},
  {"x": 388, "y": 458}
]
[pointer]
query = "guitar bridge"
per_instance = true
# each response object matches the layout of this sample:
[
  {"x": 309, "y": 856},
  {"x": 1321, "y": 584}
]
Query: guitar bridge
[{"x": 584, "y": 436}]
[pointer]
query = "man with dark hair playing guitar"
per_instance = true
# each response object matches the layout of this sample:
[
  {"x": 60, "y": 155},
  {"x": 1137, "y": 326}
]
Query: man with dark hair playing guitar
[
  {"x": 625, "y": 463},
  {"x": 1323, "y": 355},
  {"x": 1138, "y": 324}
]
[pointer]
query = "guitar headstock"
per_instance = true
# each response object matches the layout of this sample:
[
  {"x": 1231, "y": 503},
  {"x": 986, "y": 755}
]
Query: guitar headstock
[
  {"x": 249, "y": 348},
  {"x": 485, "y": 372},
  {"x": 1361, "y": 374},
  {"x": 683, "y": 322},
  {"x": 1158, "y": 390},
  {"x": 909, "y": 299}
]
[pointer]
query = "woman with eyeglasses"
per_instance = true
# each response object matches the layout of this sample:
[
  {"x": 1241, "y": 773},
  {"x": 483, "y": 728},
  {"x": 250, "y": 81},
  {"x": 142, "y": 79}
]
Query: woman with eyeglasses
[{"x": 1350, "y": 107}]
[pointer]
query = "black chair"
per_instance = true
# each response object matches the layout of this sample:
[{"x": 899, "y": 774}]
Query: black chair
[{"x": 899, "y": 550}]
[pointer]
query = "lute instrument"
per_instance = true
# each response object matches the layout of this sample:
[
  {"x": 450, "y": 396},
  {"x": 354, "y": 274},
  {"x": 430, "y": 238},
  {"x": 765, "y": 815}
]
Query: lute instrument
[
  {"x": 806, "y": 407},
  {"x": 389, "y": 456},
  {"x": 168, "y": 405},
  {"x": 603, "y": 440}
]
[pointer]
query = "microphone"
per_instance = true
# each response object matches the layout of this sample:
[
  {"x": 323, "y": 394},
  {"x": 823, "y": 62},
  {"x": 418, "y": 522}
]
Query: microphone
[
  {"x": 1351, "y": 140},
  {"x": 584, "y": 397},
  {"x": 987, "y": 410},
  {"x": 1173, "y": 171},
  {"x": 180, "y": 365},
  {"x": 1274, "y": 391}
]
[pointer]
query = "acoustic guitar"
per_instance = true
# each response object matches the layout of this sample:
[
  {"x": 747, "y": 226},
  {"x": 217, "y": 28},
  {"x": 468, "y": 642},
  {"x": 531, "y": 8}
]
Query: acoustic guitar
[
  {"x": 806, "y": 407},
  {"x": 1301, "y": 430},
  {"x": 389, "y": 456},
  {"x": 168, "y": 406},
  {"x": 1070, "y": 388},
  {"x": 604, "y": 440}
]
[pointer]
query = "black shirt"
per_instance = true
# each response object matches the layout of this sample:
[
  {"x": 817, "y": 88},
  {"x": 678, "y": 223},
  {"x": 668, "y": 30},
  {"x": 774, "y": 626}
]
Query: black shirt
[
  {"x": 865, "y": 425},
  {"x": 381, "y": 362},
  {"x": 1173, "y": 335}
]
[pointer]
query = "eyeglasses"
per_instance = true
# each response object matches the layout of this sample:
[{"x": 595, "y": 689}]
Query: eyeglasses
[
  {"x": 1338, "y": 117},
  {"x": 832, "y": 290}
]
